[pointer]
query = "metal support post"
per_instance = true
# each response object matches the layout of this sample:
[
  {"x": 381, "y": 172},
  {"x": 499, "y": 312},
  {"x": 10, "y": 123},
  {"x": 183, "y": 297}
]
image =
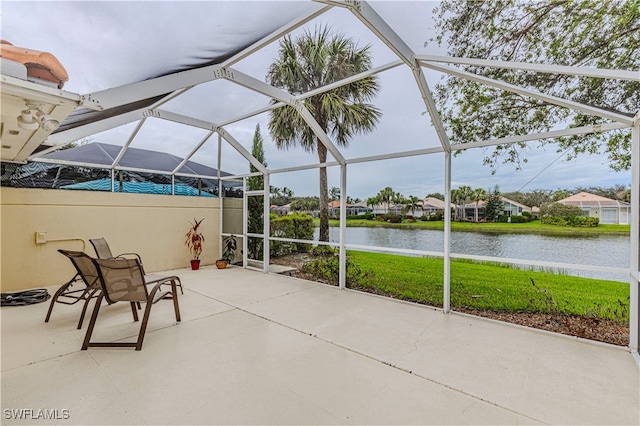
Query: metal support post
[
  {"x": 220, "y": 198},
  {"x": 343, "y": 227},
  {"x": 267, "y": 225},
  {"x": 634, "y": 262},
  {"x": 446, "y": 296},
  {"x": 245, "y": 223}
]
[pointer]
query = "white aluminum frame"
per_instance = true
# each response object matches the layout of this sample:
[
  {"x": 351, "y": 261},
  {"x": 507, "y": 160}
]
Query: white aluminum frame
[{"x": 176, "y": 84}]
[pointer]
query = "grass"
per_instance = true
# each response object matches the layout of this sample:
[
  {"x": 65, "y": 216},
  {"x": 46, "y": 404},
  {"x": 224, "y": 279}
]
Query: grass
[
  {"x": 489, "y": 286},
  {"x": 533, "y": 227}
]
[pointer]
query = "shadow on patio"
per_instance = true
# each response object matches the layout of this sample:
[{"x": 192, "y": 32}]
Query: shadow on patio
[{"x": 268, "y": 349}]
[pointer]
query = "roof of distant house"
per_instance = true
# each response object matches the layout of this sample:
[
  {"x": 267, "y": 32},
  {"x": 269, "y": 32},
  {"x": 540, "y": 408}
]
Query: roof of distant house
[{"x": 585, "y": 199}]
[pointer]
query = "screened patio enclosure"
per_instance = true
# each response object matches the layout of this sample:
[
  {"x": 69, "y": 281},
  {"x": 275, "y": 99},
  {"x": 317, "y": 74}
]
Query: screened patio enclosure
[{"x": 190, "y": 81}]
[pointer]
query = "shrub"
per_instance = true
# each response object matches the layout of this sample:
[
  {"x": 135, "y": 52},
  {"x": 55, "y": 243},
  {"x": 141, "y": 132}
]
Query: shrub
[
  {"x": 561, "y": 215},
  {"x": 517, "y": 219},
  {"x": 296, "y": 226},
  {"x": 559, "y": 209},
  {"x": 326, "y": 267},
  {"x": 434, "y": 217},
  {"x": 395, "y": 218},
  {"x": 367, "y": 216}
]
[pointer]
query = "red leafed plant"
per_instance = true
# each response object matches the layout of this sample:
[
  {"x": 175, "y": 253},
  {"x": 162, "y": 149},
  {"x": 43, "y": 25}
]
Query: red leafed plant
[{"x": 194, "y": 239}]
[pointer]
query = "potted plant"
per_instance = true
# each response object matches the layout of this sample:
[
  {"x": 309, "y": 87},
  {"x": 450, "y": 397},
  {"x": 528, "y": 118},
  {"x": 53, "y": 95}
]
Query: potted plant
[
  {"x": 229, "y": 247},
  {"x": 194, "y": 240}
]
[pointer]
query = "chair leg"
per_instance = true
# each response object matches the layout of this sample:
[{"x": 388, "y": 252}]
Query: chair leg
[
  {"x": 134, "y": 310},
  {"x": 143, "y": 326},
  {"x": 57, "y": 294},
  {"x": 92, "y": 323},
  {"x": 84, "y": 308},
  {"x": 175, "y": 300}
]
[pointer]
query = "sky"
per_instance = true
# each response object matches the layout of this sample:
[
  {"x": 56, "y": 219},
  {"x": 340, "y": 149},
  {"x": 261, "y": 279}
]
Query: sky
[{"x": 108, "y": 44}]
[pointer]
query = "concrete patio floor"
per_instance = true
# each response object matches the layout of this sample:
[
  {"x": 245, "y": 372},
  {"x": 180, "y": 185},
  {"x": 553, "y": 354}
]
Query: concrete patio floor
[{"x": 269, "y": 349}]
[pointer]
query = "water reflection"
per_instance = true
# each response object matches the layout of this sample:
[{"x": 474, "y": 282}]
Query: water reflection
[{"x": 600, "y": 250}]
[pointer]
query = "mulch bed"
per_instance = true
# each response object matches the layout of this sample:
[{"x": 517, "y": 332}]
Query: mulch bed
[{"x": 591, "y": 328}]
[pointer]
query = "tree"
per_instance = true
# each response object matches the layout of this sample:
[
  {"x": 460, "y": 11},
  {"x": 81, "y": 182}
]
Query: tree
[
  {"x": 397, "y": 199},
  {"x": 437, "y": 195},
  {"x": 464, "y": 195},
  {"x": 589, "y": 33},
  {"x": 310, "y": 61},
  {"x": 494, "y": 206},
  {"x": 373, "y": 201},
  {"x": 560, "y": 194},
  {"x": 385, "y": 196},
  {"x": 538, "y": 197},
  {"x": 412, "y": 204},
  {"x": 306, "y": 204},
  {"x": 455, "y": 195},
  {"x": 478, "y": 195},
  {"x": 280, "y": 196},
  {"x": 255, "y": 220},
  {"x": 334, "y": 193}
]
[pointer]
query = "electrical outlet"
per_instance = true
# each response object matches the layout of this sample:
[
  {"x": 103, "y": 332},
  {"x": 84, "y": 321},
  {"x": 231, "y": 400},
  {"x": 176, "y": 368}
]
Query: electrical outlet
[{"x": 41, "y": 237}]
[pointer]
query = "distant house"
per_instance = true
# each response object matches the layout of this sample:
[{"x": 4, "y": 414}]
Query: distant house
[
  {"x": 513, "y": 208},
  {"x": 431, "y": 206},
  {"x": 607, "y": 210},
  {"x": 509, "y": 208},
  {"x": 280, "y": 210},
  {"x": 384, "y": 208},
  {"x": 352, "y": 209}
]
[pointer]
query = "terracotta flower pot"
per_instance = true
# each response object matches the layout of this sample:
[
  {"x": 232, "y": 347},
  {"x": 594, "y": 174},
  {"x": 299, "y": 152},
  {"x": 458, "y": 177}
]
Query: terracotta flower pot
[
  {"x": 221, "y": 264},
  {"x": 195, "y": 264}
]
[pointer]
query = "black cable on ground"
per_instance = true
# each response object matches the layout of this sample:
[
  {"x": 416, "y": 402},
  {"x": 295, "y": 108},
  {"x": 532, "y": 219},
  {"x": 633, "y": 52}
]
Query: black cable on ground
[{"x": 27, "y": 297}]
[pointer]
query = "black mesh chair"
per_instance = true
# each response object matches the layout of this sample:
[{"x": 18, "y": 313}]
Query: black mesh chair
[
  {"x": 122, "y": 280},
  {"x": 103, "y": 251}
]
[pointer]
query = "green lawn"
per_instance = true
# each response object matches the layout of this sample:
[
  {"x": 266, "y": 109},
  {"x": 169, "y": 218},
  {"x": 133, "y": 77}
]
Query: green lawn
[
  {"x": 534, "y": 227},
  {"x": 492, "y": 286}
]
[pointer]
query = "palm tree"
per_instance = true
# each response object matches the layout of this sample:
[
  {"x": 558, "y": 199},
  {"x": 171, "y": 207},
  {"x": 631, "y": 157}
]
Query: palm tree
[
  {"x": 455, "y": 195},
  {"x": 373, "y": 202},
  {"x": 412, "y": 202},
  {"x": 464, "y": 192},
  {"x": 310, "y": 61},
  {"x": 334, "y": 193},
  {"x": 397, "y": 200},
  {"x": 478, "y": 195},
  {"x": 385, "y": 196}
]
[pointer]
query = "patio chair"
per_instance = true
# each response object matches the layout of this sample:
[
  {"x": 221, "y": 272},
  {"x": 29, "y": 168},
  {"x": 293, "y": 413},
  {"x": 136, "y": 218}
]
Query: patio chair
[
  {"x": 122, "y": 280},
  {"x": 66, "y": 295},
  {"x": 103, "y": 251}
]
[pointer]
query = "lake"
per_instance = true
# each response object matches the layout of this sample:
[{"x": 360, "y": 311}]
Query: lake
[{"x": 600, "y": 250}]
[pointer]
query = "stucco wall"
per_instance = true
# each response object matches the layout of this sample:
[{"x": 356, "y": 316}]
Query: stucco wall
[{"x": 153, "y": 226}]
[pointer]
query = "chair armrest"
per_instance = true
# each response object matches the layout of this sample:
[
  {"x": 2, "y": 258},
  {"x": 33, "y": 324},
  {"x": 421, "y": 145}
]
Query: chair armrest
[
  {"x": 130, "y": 254},
  {"x": 155, "y": 294}
]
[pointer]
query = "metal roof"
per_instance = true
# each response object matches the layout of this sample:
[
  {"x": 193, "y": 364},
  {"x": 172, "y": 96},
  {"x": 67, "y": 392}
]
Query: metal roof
[{"x": 105, "y": 155}]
